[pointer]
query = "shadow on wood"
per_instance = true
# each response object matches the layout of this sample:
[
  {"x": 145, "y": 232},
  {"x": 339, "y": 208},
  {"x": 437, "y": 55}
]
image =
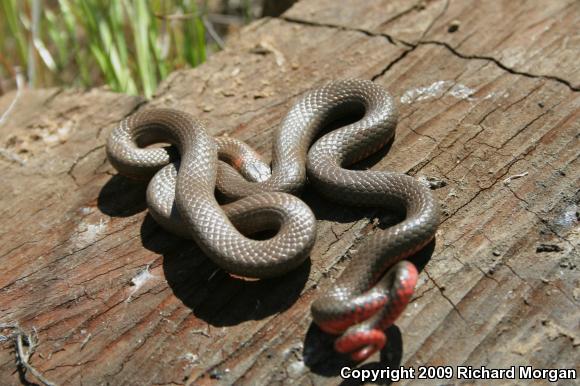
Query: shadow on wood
[
  {"x": 320, "y": 357},
  {"x": 122, "y": 197},
  {"x": 212, "y": 294}
]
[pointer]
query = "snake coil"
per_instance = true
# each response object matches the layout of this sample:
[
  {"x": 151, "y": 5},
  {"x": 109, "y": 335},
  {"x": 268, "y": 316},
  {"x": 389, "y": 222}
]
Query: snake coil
[{"x": 378, "y": 283}]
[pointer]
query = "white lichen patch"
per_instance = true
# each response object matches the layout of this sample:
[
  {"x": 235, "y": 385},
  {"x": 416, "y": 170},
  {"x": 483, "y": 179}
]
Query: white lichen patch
[
  {"x": 85, "y": 210},
  {"x": 87, "y": 233},
  {"x": 139, "y": 281},
  {"x": 568, "y": 217},
  {"x": 296, "y": 369},
  {"x": 437, "y": 90},
  {"x": 434, "y": 90},
  {"x": 190, "y": 359},
  {"x": 461, "y": 91},
  {"x": 57, "y": 135}
]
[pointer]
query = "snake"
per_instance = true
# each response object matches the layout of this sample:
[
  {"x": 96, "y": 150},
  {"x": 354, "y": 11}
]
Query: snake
[{"x": 328, "y": 130}]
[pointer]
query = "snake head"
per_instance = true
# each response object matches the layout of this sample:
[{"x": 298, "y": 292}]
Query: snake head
[{"x": 255, "y": 170}]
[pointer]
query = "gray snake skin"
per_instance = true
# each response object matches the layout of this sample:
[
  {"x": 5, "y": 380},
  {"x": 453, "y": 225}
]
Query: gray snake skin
[{"x": 181, "y": 198}]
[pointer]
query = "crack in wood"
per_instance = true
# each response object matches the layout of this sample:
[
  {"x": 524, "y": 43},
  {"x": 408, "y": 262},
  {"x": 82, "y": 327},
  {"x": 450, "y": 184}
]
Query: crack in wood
[
  {"x": 454, "y": 51},
  {"x": 71, "y": 169},
  {"x": 441, "y": 290}
]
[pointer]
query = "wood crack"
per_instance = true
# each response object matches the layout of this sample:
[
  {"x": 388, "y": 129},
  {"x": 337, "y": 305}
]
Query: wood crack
[
  {"x": 441, "y": 290},
  {"x": 396, "y": 41},
  {"x": 70, "y": 171}
]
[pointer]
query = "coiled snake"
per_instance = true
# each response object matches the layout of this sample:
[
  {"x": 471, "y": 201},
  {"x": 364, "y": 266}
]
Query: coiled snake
[{"x": 377, "y": 285}]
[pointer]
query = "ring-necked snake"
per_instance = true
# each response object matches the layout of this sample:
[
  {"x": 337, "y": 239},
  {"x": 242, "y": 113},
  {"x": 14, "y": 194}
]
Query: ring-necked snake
[{"x": 377, "y": 285}]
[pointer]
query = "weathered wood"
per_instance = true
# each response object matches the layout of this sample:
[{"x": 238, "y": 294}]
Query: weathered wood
[
  {"x": 527, "y": 37},
  {"x": 117, "y": 300}
]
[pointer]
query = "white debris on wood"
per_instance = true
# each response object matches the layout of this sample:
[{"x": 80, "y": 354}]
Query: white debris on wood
[
  {"x": 139, "y": 280},
  {"x": 514, "y": 177},
  {"x": 11, "y": 156},
  {"x": 265, "y": 47},
  {"x": 437, "y": 90},
  {"x": 88, "y": 233}
]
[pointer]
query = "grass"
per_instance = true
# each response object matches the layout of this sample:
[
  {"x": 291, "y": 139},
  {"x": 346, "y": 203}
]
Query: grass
[{"x": 130, "y": 45}]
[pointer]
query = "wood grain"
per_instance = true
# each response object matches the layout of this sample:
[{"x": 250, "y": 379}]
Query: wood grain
[{"x": 116, "y": 300}]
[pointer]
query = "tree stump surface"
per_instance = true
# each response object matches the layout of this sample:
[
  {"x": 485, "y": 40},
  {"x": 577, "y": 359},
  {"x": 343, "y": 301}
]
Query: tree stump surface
[{"x": 489, "y": 103}]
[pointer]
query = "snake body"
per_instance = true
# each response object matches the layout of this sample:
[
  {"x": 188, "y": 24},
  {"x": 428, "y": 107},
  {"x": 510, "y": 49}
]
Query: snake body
[{"x": 378, "y": 283}]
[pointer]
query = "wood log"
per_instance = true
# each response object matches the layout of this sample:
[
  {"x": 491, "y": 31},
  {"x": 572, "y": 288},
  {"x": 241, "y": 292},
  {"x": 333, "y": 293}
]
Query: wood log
[{"x": 488, "y": 100}]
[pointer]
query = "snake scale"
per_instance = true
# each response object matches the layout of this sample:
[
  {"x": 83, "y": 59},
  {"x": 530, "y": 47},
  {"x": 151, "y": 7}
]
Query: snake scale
[{"x": 378, "y": 283}]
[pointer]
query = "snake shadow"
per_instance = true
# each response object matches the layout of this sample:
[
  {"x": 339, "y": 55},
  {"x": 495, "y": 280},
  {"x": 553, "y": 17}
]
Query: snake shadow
[
  {"x": 212, "y": 294},
  {"x": 320, "y": 357},
  {"x": 322, "y": 360},
  {"x": 122, "y": 197}
]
